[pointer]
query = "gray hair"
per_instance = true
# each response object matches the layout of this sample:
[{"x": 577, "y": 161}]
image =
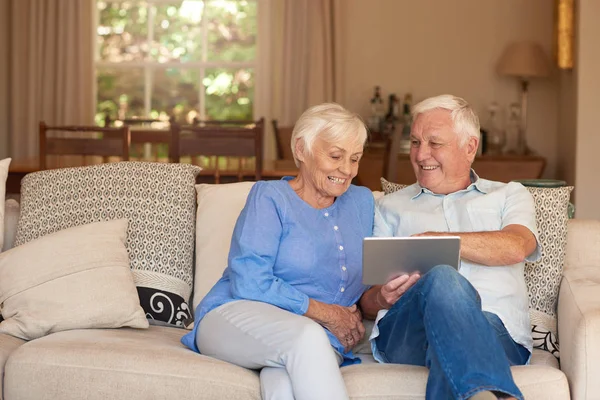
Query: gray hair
[
  {"x": 329, "y": 121},
  {"x": 464, "y": 119}
]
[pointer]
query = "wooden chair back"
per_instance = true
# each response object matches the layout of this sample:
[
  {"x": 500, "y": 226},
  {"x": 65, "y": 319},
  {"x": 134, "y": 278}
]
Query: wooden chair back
[
  {"x": 283, "y": 139},
  {"x": 222, "y": 143},
  {"x": 79, "y": 140},
  {"x": 222, "y": 123},
  {"x": 150, "y": 138}
]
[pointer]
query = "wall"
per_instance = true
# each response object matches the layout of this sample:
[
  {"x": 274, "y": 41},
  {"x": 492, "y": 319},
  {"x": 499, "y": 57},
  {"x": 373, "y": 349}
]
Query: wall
[
  {"x": 588, "y": 102},
  {"x": 4, "y": 43},
  {"x": 567, "y": 127},
  {"x": 430, "y": 47}
]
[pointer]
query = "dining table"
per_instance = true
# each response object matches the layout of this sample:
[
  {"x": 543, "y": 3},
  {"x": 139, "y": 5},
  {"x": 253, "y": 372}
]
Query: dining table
[{"x": 272, "y": 169}]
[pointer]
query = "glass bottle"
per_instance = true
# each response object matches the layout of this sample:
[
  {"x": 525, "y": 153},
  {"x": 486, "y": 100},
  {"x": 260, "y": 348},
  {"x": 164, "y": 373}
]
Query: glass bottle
[
  {"x": 407, "y": 116},
  {"x": 496, "y": 136},
  {"x": 377, "y": 111},
  {"x": 514, "y": 138}
]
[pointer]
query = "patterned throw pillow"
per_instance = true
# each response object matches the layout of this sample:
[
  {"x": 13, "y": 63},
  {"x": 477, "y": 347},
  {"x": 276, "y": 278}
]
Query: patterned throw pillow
[
  {"x": 543, "y": 276},
  {"x": 159, "y": 202}
]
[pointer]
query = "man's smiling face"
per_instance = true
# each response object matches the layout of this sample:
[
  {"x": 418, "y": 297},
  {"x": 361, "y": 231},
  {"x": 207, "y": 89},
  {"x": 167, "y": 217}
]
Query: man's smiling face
[{"x": 441, "y": 163}]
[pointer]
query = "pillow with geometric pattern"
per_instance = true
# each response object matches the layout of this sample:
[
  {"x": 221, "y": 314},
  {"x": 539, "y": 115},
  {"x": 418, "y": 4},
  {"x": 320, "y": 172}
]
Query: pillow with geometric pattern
[
  {"x": 543, "y": 276},
  {"x": 158, "y": 199}
]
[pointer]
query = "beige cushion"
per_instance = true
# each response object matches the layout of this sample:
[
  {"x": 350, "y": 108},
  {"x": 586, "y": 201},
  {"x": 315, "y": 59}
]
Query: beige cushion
[
  {"x": 8, "y": 344},
  {"x": 3, "y": 175},
  {"x": 395, "y": 382},
  {"x": 122, "y": 364},
  {"x": 11, "y": 218},
  {"x": 76, "y": 278},
  {"x": 153, "y": 364},
  {"x": 218, "y": 209},
  {"x": 579, "y": 325}
]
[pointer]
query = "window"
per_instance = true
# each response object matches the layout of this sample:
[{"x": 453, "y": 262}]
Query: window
[{"x": 187, "y": 59}]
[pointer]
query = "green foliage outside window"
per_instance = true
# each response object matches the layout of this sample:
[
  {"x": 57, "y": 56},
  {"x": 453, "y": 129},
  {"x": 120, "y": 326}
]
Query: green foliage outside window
[{"x": 131, "y": 65}]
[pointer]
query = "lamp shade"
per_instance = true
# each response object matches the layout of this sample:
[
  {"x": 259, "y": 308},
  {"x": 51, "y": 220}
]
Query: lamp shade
[{"x": 525, "y": 60}]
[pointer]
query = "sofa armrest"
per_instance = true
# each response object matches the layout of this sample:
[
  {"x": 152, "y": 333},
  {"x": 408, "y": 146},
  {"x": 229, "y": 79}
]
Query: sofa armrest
[
  {"x": 579, "y": 330},
  {"x": 11, "y": 218},
  {"x": 583, "y": 242}
]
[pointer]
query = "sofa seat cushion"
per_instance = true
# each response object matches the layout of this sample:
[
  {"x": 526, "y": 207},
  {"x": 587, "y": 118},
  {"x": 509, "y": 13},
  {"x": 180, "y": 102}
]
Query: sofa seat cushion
[
  {"x": 402, "y": 382},
  {"x": 153, "y": 364},
  {"x": 122, "y": 364},
  {"x": 8, "y": 344}
]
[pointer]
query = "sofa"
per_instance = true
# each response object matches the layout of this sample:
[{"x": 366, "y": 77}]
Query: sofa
[{"x": 151, "y": 363}]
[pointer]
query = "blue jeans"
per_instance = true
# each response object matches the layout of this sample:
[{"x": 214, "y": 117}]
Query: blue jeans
[{"x": 438, "y": 323}]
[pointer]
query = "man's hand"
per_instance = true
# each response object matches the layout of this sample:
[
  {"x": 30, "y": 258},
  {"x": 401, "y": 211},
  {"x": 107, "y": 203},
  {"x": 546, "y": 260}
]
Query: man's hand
[
  {"x": 344, "y": 322},
  {"x": 389, "y": 293}
]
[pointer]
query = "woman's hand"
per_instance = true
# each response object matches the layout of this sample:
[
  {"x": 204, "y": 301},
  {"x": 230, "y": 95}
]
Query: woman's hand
[
  {"x": 344, "y": 322},
  {"x": 389, "y": 293}
]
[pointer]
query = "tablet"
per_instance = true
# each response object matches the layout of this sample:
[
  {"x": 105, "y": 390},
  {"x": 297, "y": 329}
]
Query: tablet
[{"x": 385, "y": 258}]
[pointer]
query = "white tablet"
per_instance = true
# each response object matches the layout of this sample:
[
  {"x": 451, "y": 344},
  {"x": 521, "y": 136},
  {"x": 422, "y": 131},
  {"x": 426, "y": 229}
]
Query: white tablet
[{"x": 385, "y": 258}]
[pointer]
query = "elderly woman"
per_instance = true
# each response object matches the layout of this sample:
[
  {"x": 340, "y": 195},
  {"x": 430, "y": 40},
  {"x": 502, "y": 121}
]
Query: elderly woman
[{"x": 287, "y": 300}]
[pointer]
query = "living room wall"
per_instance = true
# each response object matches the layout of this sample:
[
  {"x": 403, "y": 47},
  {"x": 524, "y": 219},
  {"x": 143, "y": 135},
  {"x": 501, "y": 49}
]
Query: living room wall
[
  {"x": 587, "y": 70},
  {"x": 430, "y": 47}
]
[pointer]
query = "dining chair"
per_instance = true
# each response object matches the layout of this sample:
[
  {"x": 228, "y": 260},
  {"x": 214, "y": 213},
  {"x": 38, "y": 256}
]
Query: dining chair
[
  {"x": 283, "y": 139},
  {"x": 222, "y": 143},
  {"x": 221, "y": 122},
  {"x": 81, "y": 140},
  {"x": 150, "y": 138}
]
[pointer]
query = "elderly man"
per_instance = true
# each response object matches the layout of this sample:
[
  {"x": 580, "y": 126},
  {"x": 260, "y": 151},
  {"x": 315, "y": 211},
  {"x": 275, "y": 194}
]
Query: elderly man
[{"x": 468, "y": 327}]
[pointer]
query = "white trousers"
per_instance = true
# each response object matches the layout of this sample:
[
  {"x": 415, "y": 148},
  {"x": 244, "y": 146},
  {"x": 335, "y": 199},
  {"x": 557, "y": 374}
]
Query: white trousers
[{"x": 294, "y": 352}]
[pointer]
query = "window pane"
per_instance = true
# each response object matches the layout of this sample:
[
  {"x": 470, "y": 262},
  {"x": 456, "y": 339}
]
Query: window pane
[
  {"x": 231, "y": 30},
  {"x": 178, "y": 31},
  {"x": 175, "y": 93},
  {"x": 229, "y": 93},
  {"x": 120, "y": 93},
  {"x": 122, "y": 30}
]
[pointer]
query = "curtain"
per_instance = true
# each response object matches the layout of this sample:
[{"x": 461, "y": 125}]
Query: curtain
[
  {"x": 304, "y": 51},
  {"x": 51, "y": 70},
  {"x": 4, "y": 103},
  {"x": 299, "y": 62}
]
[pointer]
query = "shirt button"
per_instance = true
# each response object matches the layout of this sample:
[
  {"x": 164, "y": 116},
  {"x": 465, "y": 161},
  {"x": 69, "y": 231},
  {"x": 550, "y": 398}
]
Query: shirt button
[
  {"x": 341, "y": 247},
  {"x": 335, "y": 228},
  {"x": 327, "y": 214},
  {"x": 343, "y": 268},
  {"x": 342, "y": 290}
]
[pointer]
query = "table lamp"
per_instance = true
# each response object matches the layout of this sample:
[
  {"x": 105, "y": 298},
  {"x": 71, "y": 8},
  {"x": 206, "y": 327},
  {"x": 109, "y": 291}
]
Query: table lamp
[{"x": 524, "y": 60}]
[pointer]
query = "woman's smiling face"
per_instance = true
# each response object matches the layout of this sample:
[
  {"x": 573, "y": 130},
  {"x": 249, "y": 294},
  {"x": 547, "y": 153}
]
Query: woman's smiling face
[{"x": 332, "y": 166}]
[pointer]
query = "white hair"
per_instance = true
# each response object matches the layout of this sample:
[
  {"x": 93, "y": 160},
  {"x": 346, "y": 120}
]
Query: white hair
[
  {"x": 330, "y": 122},
  {"x": 464, "y": 119}
]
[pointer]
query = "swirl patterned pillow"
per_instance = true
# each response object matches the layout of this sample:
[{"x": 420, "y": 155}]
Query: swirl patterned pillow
[
  {"x": 543, "y": 276},
  {"x": 158, "y": 200}
]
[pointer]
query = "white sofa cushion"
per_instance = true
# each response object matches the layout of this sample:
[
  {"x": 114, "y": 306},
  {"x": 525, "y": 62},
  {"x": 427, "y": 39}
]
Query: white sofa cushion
[
  {"x": 218, "y": 209},
  {"x": 8, "y": 344},
  {"x": 122, "y": 364},
  {"x": 3, "y": 175},
  {"x": 11, "y": 218},
  {"x": 158, "y": 199},
  {"x": 153, "y": 364},
  {"x": 73, "y": 279}
]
